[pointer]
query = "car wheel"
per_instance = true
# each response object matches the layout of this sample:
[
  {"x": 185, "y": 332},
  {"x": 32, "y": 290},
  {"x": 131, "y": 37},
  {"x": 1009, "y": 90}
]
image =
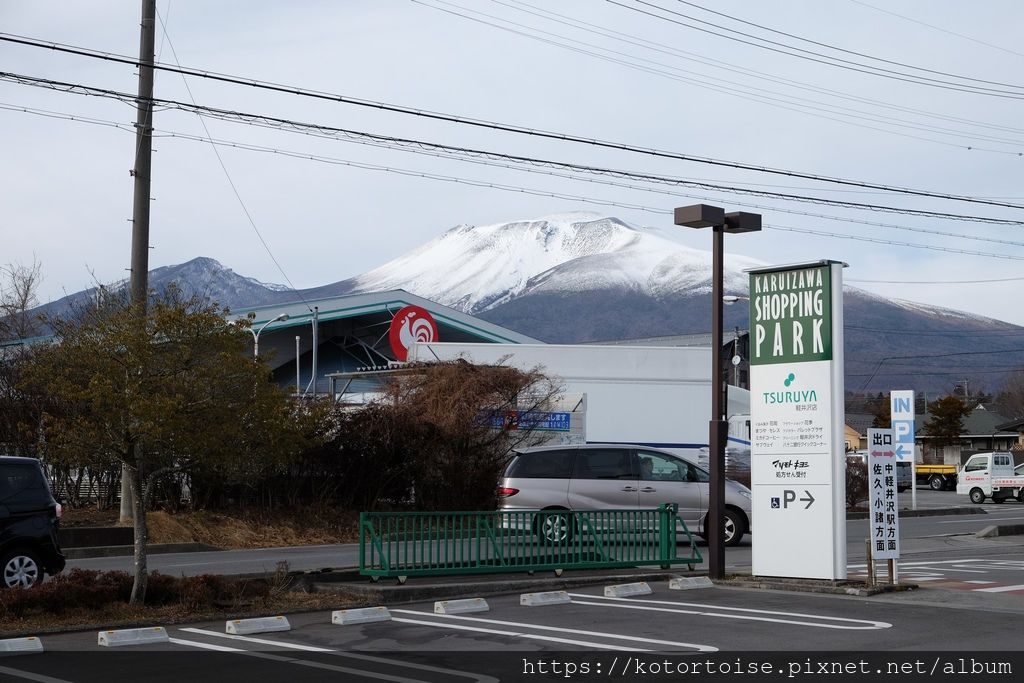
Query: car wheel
[
  {"x": 553, "y": 527},
  {"x": 1020, "y": 495},
  {"x": 977, "y": 496},
  {"x": 735, "y": 527},
  {"x": 20, "y": 568},
  {"x": 936, "y": 483},
  {"x": 901, "y": 489}
]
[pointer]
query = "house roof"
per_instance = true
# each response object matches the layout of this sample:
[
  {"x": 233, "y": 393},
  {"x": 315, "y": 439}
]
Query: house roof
[
  {"x": 1013, "y": 425},
  {"x": 860, "y": 422},
  {"x": 359, "y": 305},
  {"x": 981, "y": 421}
]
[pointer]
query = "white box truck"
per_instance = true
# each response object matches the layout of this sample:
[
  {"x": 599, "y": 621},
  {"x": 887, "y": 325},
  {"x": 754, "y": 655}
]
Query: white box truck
[{"x": 655, "y": 396}]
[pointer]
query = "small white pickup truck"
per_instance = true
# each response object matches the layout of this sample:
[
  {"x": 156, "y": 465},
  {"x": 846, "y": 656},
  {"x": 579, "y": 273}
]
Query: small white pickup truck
[{"x": 991, "y": 475}]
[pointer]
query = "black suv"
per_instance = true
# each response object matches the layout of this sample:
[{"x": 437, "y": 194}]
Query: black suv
[{"x": 28, "y": 524}]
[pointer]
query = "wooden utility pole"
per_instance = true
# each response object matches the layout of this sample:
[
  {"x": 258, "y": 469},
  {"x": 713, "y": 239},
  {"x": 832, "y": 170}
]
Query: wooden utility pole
[{"x": 141, "y": 171}]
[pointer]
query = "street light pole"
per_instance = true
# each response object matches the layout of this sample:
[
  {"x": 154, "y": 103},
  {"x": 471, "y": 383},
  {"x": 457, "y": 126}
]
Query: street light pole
[
  {"x": 705, "y": 216},
  {"x": 256, "y": 334},
  {"x": 718, "y": 430}
]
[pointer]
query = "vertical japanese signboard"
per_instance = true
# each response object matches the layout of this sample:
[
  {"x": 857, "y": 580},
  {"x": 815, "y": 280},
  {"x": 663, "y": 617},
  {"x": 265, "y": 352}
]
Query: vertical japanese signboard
[
  {"x": 901, "y": 404},
  {"x": 884, "y": 527},
  {"x": 796, "y": 421}
]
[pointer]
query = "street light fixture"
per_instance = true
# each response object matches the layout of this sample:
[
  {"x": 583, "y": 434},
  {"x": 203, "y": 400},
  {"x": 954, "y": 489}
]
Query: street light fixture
[
  {"x": 706, "y": 216},
  {"x": 256, "y": 334}
]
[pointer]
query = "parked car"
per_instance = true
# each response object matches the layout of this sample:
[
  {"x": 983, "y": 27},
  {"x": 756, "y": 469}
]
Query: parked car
[
  {"x": 29, "y": 517},
  {"x": 616, "y": 476}
]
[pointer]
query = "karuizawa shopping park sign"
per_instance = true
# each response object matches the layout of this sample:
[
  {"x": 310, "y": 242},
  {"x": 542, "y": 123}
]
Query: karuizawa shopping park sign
[{"x": 791, "y": 315}]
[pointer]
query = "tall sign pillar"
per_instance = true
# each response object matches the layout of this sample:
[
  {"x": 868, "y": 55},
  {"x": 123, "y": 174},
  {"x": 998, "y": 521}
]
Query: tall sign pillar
[{"x": 798, "y": 463}]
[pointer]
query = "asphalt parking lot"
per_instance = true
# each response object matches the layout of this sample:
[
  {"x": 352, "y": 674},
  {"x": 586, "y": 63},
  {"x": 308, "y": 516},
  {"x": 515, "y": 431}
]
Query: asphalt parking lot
[{"x": 588, "y": 625}]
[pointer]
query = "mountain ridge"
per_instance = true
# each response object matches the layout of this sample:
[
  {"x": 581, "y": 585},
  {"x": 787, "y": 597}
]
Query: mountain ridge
[{"x": 586, "y": 277}]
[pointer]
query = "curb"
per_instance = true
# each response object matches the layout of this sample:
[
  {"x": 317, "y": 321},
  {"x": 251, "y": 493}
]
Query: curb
[
  {"x": 854, "y": 588},
  {"x": 356, "y": 587},
  {"x": 1001, "y": 530}
]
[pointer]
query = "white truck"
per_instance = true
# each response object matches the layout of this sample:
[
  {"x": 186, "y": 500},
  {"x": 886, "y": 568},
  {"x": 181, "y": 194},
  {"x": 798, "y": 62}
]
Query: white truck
[
  {"x": 991, "y": 475},
  {"x": 654, "y": 396}
]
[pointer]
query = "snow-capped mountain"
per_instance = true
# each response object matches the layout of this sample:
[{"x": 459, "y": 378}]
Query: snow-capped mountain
[
  {"x": 479, "y": 268},
  {"x": 581, "y": 277}
]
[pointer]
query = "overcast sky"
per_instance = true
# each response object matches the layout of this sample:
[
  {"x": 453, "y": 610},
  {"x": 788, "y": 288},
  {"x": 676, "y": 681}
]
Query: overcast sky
[{"x": 603, "y": 70}]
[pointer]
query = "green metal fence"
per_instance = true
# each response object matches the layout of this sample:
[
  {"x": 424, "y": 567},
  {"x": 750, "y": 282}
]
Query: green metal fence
[{"x": 402, "y": 544}]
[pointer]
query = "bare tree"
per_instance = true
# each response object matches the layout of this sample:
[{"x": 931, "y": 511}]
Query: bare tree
[
  {"x": 1010, "y": 399},
  {"x": 19, "y": 285}
]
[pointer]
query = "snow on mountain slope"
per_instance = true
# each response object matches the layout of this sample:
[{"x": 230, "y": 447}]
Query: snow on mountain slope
[
  {"x": 936, "y": 314},
  {"x": 474, "y": 268}
]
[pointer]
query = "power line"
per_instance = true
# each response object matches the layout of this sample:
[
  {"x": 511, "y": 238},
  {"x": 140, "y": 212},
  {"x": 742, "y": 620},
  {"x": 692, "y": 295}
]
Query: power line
[
  {"x": 839, "y": 49},
  {"x": 951, "y": 373},
  {"x": 565, "y": 137},
  {"x": 879, "y": 240},
  {"x": 932, "y": 355},
  {"x": 413, "y": 143},
  {"x": 940, "y": 282},
  {"x": 821, "y": 58},
  {"x": 557, "y": 195},
  {"x": 515, "y": 188},
  {"x": 939, "y": 28},
  {"x": 644, "y": 43},
  {"x": 507, "y": 187},
  {"x": 747, "y": 92},
  {"x": 227, "y": 175},
  {"x": 935, "y": 333}
]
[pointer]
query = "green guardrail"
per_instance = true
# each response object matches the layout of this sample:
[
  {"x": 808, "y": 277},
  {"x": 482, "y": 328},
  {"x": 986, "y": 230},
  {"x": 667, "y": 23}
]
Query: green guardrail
[{"x": 403, "y": 544}]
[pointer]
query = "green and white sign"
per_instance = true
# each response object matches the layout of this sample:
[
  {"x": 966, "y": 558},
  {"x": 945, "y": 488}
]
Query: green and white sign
[
  {"x": 796, "y": 421},
  {"x": 791, "y": 316}
]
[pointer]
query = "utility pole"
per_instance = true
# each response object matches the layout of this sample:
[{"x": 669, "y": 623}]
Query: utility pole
[
  {"x": 141, "y": 171},
  {"x": 316, "y": 343}
]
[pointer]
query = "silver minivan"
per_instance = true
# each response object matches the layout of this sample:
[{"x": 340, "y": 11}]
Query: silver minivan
[{"x": 617, "y": 476}]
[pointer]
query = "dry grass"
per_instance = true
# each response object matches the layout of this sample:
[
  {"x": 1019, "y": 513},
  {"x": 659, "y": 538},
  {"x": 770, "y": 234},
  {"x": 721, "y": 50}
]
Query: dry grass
[{"x": 235, "y": 529}]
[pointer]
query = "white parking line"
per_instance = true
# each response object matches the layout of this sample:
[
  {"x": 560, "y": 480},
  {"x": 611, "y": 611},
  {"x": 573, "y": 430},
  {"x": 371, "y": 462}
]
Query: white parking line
[
  {"x": 904, "y": 565},
  {"x": 204, "y": 646},
  {"x": 599, "y": 634},
  {"x": 261, "y": 641},
  {"x": 748, "y": 614},
  {"x": 517, "y": 634},
  {"x": 346, "y": 655},
  {"x": 999, "y": 589},
  {"x": 1002, "y": 567},
  {"x": 29, "y": 676},
  {"x": 979, "y": 582}
]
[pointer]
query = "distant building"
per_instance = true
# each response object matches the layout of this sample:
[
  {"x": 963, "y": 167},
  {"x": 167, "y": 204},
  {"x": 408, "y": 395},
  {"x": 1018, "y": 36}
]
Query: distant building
[
  {"x": 735, "y": 351},
  {"x": 984, "y": 430},
  {"x": 354, "y": 335}
]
